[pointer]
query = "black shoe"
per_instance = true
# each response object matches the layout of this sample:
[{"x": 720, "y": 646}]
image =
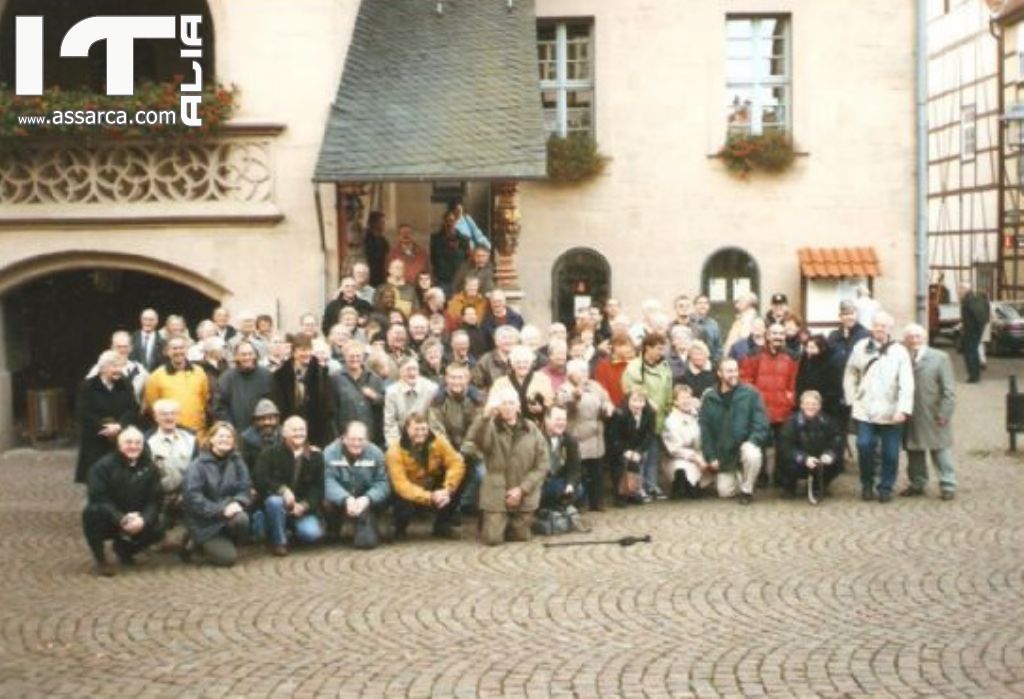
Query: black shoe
[
  {"x": 124, "y": 553},
  {"x": 948, "y": 495},
  {"x": 447, "y": 531},
  {"x": 911, "y": 491},
  {"x": 745, "y": 498},
  {"x": 884, "y": 498},
  {"x": 867, "y": 494}
]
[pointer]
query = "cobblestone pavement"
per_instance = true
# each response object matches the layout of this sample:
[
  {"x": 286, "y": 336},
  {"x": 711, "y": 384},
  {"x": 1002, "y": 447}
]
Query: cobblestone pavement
[{"x": 915, "y": 598}]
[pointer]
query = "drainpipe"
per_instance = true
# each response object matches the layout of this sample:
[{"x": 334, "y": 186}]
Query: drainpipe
[
  {"x": 323, "y": 241},
  {"x": 1000, "y": 140},
  {"x": 921, "y": 248}
]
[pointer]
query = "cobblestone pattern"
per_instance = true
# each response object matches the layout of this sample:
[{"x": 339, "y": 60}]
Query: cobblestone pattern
[{"x": 849, "y": 599}]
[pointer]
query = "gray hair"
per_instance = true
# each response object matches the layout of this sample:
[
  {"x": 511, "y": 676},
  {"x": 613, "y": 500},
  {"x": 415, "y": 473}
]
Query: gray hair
[{"x": 109, "y": 358}]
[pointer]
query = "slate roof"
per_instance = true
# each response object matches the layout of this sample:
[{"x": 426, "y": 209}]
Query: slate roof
[
  {"x": 427, "y": 96},
  {"x": 835, "y": 263}
]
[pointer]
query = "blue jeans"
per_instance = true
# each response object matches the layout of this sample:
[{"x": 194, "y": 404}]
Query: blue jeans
[
  {"x": 868, "y": 437},
  {"x": 272, "y": 521},
  {"x": 554, "y": 488},
  {"x": 649, "y": 468}
]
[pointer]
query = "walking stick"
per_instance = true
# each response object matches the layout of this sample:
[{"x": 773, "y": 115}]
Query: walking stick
[{"x": 624, "y": 541}]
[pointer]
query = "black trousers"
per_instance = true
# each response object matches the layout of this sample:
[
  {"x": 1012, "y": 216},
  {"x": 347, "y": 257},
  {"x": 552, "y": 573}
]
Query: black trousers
[
  {"x": 593, "y": 481},
  {"x": 403, "y": 511},
  {"x": 99, "y": 527}
]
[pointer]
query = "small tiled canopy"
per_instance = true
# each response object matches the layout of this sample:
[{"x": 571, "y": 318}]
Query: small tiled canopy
[{"x": 836, "y": 263}]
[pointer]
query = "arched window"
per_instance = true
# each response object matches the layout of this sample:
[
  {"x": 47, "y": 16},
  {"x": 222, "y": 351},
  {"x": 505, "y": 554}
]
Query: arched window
[
  {"x": 156, "y": 60},
  {"x": 727, "y": 273},
  {"x": 580, "y": 276}
]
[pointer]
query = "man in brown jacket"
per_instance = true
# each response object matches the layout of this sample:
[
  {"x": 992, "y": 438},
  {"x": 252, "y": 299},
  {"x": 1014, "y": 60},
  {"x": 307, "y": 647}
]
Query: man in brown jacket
[{"x": 516, "y": 457}]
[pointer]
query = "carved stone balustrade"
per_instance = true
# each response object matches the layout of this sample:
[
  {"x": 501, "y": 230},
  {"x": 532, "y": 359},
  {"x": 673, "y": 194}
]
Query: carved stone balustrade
[{"x": 223, "y": 178}]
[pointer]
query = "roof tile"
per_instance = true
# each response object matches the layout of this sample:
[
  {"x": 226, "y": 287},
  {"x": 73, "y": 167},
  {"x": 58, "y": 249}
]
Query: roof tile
[{"x": 837, "y": 263}]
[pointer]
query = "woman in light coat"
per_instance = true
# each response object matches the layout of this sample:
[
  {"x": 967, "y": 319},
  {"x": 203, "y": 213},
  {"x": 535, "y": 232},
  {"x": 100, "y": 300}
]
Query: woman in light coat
[
  {"x": 588, "y": 404},
  {"x": 684, "y": 465}
]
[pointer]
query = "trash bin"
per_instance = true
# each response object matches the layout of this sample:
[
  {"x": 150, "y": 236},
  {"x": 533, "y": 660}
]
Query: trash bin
[{"x": 45, "y": 413}]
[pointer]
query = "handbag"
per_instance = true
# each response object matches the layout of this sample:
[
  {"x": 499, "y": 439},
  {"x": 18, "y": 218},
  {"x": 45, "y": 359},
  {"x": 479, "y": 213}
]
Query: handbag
[{"x": 630, "y": 483}]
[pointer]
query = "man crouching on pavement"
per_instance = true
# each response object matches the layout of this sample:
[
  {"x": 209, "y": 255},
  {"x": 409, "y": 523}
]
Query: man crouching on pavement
[
  {"x": 124, "y": 502},
  {"x": 516, "y": 457},
  {"x": 426, "y": 473}
]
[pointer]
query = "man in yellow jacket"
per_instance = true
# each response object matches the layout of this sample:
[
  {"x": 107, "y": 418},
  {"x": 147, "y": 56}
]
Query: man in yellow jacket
[
  {"x": 426, "y": 473},
  {"x": 178, "y": 380}
]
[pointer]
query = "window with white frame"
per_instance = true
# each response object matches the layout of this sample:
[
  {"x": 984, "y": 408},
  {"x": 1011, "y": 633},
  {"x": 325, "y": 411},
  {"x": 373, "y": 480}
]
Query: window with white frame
[
  {"x": 757, "y": 74},
  {"x": 565, "y": 57}
]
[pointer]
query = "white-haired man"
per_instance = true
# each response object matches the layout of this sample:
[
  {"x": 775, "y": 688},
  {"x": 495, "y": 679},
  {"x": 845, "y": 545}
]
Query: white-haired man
[
  {"x": 879, "y": 385},
  {"x": 516, "y": 457},
  {"x": 930, "y": 429},
  {"x": 410, "y": 394},
  {"x": 172, "y": 448}
]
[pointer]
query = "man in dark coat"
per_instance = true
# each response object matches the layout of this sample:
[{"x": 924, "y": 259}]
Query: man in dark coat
[
  {"x": 840, "y": 345},
  {"x": 359, "y": 393},
  {"x": 289, "y": 480},
  {"x": 147, "y": 343},
  {"x": 302, "y": 387},
  {"x": 124, "y": 502},
  {"x": 241, "y": 387},
  {"x": 733, "y": 427},
  {"x": 377, "y": 248},
  {"x": 809, "y": 441},
  {"x": 217, "y": 491},
  {"x": 448, "y": 250},
  {"x": 106, "y": 404},
  {"x": 562, "y": 485},
  {"x": 975, "y": 313},
  {"x": 346, "y": 298}
]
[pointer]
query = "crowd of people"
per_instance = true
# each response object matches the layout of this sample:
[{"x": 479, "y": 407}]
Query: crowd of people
[{"x": 419, "y": 389}]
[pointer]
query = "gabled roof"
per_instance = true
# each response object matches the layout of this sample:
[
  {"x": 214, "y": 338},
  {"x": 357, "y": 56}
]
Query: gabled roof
[
  {"x": 428, "y": 96},
  {"x": 836, "y": 263}
]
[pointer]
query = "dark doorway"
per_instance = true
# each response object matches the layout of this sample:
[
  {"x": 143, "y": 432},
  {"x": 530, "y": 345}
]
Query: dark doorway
[
  {"x": 726, "y": 274},
  {"x": 57, "y": 325},
  {"x": 579, "y": 276}
]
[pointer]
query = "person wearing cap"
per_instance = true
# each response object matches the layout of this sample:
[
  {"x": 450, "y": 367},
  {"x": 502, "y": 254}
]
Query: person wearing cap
[
  {"x": 779, "y": 310},
  {"x": 241, "y": 387},
  {"x": 124, "y": 502},
  {"x": 879, "y": 386},
  {"x": 263, "y": 433},
  {"x": 411, "y": 393},
  {"x": 303, "y": 387},
  {"x": 841, "y": 342}
]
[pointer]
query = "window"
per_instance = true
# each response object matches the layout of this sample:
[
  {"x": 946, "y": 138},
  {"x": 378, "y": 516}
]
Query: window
[
  {"x": 565, "y": 58},
  {"x": 757, "y": 74},
  {"x": 968, "y": 132}
]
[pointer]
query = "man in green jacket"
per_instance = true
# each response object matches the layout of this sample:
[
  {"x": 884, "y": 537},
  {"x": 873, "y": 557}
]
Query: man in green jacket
[{"x": 733, "y": 427}]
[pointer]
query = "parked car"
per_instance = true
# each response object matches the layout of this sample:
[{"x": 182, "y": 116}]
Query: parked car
[{"x": 1007, "y": 327}]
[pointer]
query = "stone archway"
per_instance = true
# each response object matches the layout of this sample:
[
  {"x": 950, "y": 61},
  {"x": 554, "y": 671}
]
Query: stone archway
[
  {"x": 57, "y": 312},
  {"x": 726, "y": 273},
  {"x": 578, "y": 275}
]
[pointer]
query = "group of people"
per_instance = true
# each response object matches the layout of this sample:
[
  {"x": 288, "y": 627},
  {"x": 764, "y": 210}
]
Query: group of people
[{"x": 398, "y": 400}]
